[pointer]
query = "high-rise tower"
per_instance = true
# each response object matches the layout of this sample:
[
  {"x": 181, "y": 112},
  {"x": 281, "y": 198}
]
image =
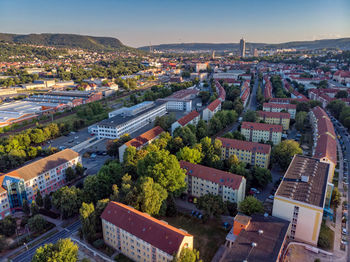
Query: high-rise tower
[{"x": 242, "y": 47}]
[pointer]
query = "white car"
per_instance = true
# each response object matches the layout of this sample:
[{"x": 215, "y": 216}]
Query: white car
[{"x": 343, "y": 231}]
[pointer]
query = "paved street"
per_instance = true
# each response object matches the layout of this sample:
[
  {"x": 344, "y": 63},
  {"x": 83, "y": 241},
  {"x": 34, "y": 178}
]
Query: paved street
[
  {"x": 63, "y": 233},
  {"x": 252, "y": 101},
  {"x": 345, "y": 141}
]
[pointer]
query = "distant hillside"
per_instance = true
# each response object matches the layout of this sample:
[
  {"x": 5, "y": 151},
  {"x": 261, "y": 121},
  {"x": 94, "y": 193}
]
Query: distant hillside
[
  {"x": 341, "y": 43},
  {"x": 65, "y": 40}
]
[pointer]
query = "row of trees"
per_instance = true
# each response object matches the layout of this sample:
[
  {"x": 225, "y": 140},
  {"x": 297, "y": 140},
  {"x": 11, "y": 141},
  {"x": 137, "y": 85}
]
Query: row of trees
[
  {"x": 341, "y": 111},
  {"x": 277, "y": 87}
]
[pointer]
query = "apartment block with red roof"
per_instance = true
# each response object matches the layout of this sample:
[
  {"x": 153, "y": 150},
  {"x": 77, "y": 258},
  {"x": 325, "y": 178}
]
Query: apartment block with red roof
[
  {"x": 324, "y": 137},
  {"x": 202, "y": 180},
  {"x": 191, "y": 118},
  {"x": 272, "y": 107},
  {"x": 257, "y": 132},
  {"x": 275, "y": 118},
  {"x": 141, "y": 237},
  {"x": 211, "y": 109},
  {"x": 248, "y": 152},
  {"x": 140, "y": 141},
  {"x": 45, "y": 175}
]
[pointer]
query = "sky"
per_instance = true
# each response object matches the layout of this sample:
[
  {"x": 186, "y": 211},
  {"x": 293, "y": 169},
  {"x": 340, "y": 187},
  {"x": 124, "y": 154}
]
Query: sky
[{"x": 142, "y": 22}]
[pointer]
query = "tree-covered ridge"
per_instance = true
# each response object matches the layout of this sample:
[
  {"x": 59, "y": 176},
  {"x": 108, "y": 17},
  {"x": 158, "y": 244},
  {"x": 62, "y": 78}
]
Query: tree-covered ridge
[
  {"x": 65, "y": 40},
  {"x": 16, "y": 52}
]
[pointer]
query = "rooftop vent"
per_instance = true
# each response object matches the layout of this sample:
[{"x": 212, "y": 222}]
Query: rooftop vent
[{"x": 305, "y": 179}]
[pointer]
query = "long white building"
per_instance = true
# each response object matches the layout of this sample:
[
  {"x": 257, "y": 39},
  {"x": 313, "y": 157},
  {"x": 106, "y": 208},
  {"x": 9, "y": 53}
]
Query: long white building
[{"x": 129, "y": 120}]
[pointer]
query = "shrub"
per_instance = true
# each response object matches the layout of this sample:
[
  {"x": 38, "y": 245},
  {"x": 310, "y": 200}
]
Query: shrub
[{"x": 99, "y": 243}]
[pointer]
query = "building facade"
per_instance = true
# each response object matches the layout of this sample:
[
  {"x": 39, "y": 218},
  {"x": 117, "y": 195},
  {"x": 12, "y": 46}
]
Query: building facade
[
  {"x": 211, "y": 110},
  {"x": 272, "y": 107},
  {"x": 45, "y": 175},
  {"x": 275, "y": 118},
  {"x": 248, "y": 152},
  {"x": 141, "y": 237},
  {"x": 257, "y": 132},
  {"x": 121, "y": 123},
  {"x": 202, "y": 180},
  {"x": 301, "y": 197},
  {"x": 191, "y": 118},
  {"x": 141, "y": 141}
]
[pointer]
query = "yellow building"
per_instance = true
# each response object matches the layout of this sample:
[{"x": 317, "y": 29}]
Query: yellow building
[
  {"x": 275, "y": 118},
  {"x": 202, "y": 180},
  {"x": 252, "y": 153},
  {"x": 141, "y": 237},
  {"x": 257, "y": 132},
  {"x": 301, "y": 197}
]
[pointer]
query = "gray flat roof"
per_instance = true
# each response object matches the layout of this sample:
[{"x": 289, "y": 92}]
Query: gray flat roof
[{"x": 119, "y": 119}]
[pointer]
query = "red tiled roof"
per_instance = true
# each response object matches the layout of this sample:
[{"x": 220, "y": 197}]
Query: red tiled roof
[
  {"x": 326, "y": 147},
  {"x": 261, "y": 126},
  {"x": 284, "y": 106},
  {"x": 274, "y": 114},
  {"x": 145, "y": 137},
  {"x": 187, "y": 118},
  {"x": 155, "y": 232},
  {"x": 324, "y": 125},
  {"x": 211, "y": 174},
  {"x": 214, "y": 105},
  {"x": 245, "y": 145}
]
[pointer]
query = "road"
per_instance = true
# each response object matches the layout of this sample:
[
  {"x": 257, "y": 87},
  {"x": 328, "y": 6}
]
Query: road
[
  {"x": 344, "y": 140},
  {"x": 252, "y": 101},
  {"x": 64, "y": 233}
]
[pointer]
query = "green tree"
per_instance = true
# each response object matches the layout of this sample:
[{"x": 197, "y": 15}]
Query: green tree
[
  {"x": 8, "y": 226},
  {"x": 88, "y": 221},
  {"x": 188, "y": 255},
  {"x": 67, "y": 200},
  {"x": 300, "y": 120},
  {"x": 152, "y": 196},
  {"x": 47, "y": 202},
  {"x": 164, "y": 168},
  {"x": 250, "y": 205},
  {"x": 188, "y": 137},
  {"x": 250, "y": 116},
  {"x": 34, "y": 209},
  {"x": 37, "y": 223},
  {"x": 100, "y": 207},
  {"x": 63, "y": 250},
  {"x": 261, "y": 177},
  {"x": 212, "y": 205},
  {"x": 25, "y": 207},
  {"x": 336, "y": 198},
  {"x": 201, "y": 130},
  {"x": 79, "y": 170},
  {"x": 335, "y": 107},
  {"x": 192, "y": 155},
  {"x": 70, "y": 174},
  {"x": 283, "y": 153},
  {"x": 39, "y": 199},
  {"x": 341, "y": 94}
]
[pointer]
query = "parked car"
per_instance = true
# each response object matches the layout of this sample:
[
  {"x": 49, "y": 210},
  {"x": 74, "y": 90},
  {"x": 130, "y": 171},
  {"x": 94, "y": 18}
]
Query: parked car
[
  {"x": 343, "y": 231},
  {"x": 255, "y": 190},
  {"x": 271, "y": 197}
]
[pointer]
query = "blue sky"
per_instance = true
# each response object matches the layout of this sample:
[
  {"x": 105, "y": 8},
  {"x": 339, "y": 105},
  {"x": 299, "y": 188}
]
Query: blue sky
[{"x": 139, "y": 22}]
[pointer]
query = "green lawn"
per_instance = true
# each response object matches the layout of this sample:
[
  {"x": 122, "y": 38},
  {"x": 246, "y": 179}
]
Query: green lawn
[{"x": 208, "y": 237}]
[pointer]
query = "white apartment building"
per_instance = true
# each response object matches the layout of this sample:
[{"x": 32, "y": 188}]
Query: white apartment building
[
  {"x": 129, "y": 121},
  {"x": 141, "y": 237},
  {"x": 256, "y": 132},
  {"x": 301, "y": 197},
  {"x": 191, "y": 118},
  {"x": 211, "y": 110},
  {"x": 202, "y": 180}
]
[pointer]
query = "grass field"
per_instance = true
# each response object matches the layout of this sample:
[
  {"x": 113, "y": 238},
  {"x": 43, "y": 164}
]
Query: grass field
[{"x": 208, "y": 237}]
